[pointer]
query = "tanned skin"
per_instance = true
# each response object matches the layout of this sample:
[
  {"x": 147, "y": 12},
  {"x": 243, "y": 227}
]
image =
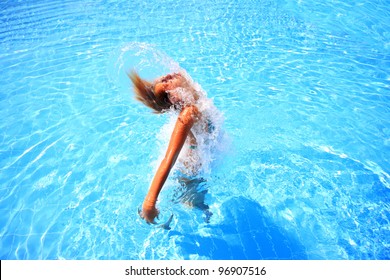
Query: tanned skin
[{"x": 185, "y": 121}]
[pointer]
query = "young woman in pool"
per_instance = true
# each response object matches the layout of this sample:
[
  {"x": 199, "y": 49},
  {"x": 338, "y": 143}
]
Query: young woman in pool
[{"x": 176, "y": 92}]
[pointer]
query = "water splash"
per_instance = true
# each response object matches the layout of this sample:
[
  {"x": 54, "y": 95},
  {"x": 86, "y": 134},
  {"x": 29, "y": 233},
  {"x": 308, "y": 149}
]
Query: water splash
[{"x": 144, "y": 58}]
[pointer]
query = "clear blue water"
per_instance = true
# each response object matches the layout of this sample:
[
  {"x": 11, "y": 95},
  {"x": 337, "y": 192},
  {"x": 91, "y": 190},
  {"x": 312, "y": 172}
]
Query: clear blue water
[{"x": 304, "y": 89}]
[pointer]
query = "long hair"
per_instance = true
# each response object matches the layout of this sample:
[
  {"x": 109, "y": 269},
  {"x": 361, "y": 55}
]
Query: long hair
[{"x": 144, "y": 92}]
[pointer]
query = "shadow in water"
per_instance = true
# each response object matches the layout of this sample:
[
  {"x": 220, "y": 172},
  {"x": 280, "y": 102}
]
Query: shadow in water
[{"x": 245, "y": 233}]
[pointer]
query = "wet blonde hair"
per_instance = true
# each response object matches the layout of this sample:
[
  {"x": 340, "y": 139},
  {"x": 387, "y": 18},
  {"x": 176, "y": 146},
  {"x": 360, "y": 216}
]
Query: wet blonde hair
[{"x": 144, "y": 92}]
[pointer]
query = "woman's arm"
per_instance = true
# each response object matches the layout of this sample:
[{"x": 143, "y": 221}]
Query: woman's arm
[{"x": 185, "y": 121}]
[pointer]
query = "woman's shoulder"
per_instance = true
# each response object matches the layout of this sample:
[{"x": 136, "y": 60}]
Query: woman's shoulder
[
  {"x": 190, "y": 113},
  {"x": 191, "y": 110}
]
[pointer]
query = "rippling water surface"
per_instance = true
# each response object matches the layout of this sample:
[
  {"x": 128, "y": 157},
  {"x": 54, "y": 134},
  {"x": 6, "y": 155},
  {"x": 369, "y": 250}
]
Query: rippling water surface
[{"x": 304, "y": 89}]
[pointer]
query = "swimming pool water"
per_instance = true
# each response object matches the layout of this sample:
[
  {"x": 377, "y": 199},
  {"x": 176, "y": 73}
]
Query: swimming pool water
[{"x": 304, "y": 89}]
